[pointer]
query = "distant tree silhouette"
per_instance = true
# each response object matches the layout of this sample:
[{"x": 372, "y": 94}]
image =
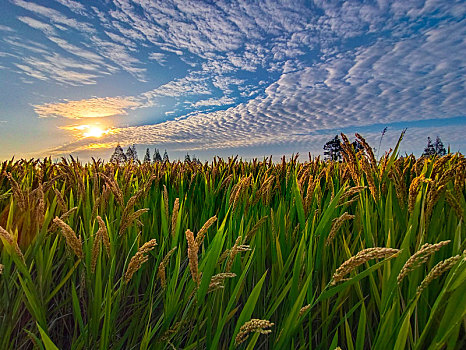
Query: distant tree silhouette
[
  {"x": 165, "y": 157},
  {"x": 195, "y": 160},
  {"x": 439, "y": 148},
  {"x": 118, "y": 155},
  {"x": 430, "y": 149},
  {"x": 332, "y": 149},
  {"x": 157, "y": 158},
  {"x": 147, "y": 156},
  {"x": 135, "y": 153},
  {"x": 357, "y": 146},
  {"x": 131, "y": 154}
]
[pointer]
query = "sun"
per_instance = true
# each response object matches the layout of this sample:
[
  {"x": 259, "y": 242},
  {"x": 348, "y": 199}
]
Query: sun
[{"x": 94, "y": 131}]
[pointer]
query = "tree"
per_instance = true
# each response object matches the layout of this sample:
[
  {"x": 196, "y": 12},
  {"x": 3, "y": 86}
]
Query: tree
[
  {"x": 135, "y": 153},
  {"x": 357, "y": 146},
  {"x": 131, "y": 154},
  {"x": 157, "y": 158},
  {"x": 195, "y": 160},
  {"x": 430, "y": 149},
  {"x": 439, "y": 148},
  {"x": 118, "y": 155},
  {"x": 147, "y": 156},
  {"x": 165, "y": 157},
  {"x": 332, "y": 149}
]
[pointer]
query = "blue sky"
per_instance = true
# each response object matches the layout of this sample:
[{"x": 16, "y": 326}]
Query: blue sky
[{"x": 228, "y": 77}]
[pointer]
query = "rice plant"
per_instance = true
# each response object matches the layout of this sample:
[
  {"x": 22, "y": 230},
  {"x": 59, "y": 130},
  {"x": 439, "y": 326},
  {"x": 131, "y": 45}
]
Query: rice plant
[{"x": 359, "y": 254}]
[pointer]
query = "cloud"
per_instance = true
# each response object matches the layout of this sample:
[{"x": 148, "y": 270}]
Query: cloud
[
  {"x": 36, "y": 24},
  {"x": 5, "y": 28},
  {"x": 74, "y": 6},
  {"x": 192, "y": 84},
  {"x": 331, "y": 64},
  {"x": 120, "y": 56},
  {"x": 214, "y": 102},
  {"x": 161, "y": 58},
  {"x": 413, "y": 80},
  {"x": 59, "y": 68},
  {"x": 90, "y": 108},
  {"x": 55, "y": 16},
  {"x": 79, "y": 51},
  {"x": 414, "y": 141},
  {"x": 121, "y": 40}
]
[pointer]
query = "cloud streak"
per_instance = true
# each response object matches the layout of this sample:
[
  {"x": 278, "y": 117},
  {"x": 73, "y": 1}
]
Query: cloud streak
[{"x": 83, "y": 109}]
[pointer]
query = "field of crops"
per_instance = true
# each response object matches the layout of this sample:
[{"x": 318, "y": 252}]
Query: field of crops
[{"x": 362, "y": 254}]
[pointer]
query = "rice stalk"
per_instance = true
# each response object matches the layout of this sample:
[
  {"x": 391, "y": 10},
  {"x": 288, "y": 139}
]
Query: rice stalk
[
  {"x": 437, "y": 271},
  {"x": 176, "y": 207},
  {"x": 5, "y": 235},
  {"x": 201, "y": 234},
  {"x": 161, "y": 270},
  {"x": 70, "y": 236},
  {"x": 138, "y": 259},
  {"x": 192, "y": 256},
  {"x": 253, "y": 325},
  {"x": 419, "y": 258},
  {"x": 336, "y": 224},
  {"x": 360, "y": 258}
]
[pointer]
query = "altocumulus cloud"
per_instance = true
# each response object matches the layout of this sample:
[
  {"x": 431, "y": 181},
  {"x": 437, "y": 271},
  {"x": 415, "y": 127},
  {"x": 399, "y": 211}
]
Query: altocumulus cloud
[
  {"x": 386, "y": 82},
  {"x": 272, "y": 72},
  {"x": 90, "y": 108}
]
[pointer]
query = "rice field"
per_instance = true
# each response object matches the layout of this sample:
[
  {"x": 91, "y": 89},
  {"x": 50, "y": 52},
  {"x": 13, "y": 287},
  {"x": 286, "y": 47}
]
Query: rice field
[{"x": 362, "y": 254}]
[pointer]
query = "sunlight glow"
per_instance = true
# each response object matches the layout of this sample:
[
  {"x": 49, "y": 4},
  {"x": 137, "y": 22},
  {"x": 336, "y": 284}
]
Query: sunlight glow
[
  {"x": 86, "y": 130},
  {"x": 94, "y": 131}
]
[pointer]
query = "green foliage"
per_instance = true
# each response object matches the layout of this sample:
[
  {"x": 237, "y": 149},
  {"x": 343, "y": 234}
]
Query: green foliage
[{"x": 283, "y": 263}]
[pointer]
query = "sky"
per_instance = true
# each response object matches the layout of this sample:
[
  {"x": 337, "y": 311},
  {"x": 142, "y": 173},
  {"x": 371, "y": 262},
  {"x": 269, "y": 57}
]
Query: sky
[{"x": 253, "y": 78}]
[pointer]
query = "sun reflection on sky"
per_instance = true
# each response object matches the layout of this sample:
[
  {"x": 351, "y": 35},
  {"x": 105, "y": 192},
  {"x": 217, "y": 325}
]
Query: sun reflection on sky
[{"x": 87, "y": 131}]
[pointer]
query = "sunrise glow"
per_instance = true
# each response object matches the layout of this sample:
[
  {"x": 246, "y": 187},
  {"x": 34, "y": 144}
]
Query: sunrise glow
[{"x": 94, "y": 131}]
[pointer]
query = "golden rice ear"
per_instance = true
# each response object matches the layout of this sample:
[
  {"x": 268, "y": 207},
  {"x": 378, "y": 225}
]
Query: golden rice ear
[
  {"x": 176, "y": 208},
  {"x": 237, "y": 247},
  {"x": 165, "y": 200},
  {"x": 12, "y": 242},
  {"x": 360, "y": 258},
  {"x": 138, "y": 259},
  {"x": 437, "y": 271},
  {"x": 253, "y": 325},
  {"x": 162, "y": 266},
  {"x": 336, "y": 224},
  {"x": 128, "y": 221},
  {"x": 192, "y": 256},
  {"x": 17, "y": 193},
  {"x": 95, "y": 250},
  {"x": 70, "y": 236},
  {"x": 201, "y": 234},
  {"x": 419, "y": 258},
  {"x": 369, "y": 151},
  {"x": 414, "y": 190},
  {"x": 217, "y": 281},
  {"x": 114, "y": 187},
  {"x": 104, "y": 232},
  {"x": 304, "y": 309}
]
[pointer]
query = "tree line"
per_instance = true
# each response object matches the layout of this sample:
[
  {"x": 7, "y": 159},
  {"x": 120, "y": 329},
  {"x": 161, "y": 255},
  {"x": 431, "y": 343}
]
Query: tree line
[
  {"x": 131, "y": 155},
  {"x": 333, "y": 149}
]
